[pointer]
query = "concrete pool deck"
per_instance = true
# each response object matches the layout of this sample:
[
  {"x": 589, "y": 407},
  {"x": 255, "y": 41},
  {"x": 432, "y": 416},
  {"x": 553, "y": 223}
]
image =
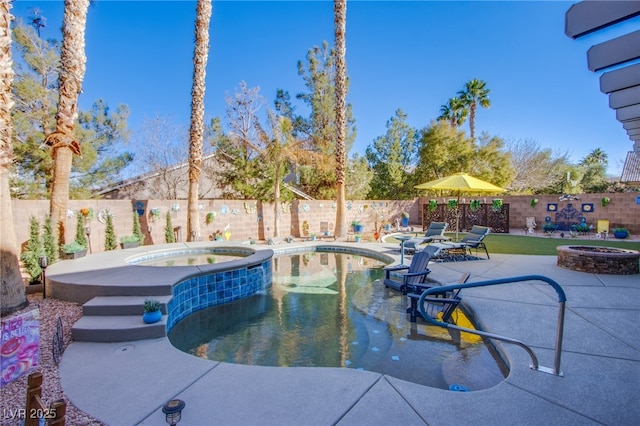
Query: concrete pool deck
[{"x": 126, "y": 383}]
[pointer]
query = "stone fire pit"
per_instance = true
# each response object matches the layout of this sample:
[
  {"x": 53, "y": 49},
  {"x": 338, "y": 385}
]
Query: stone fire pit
[{"x": 599, "y": 260}]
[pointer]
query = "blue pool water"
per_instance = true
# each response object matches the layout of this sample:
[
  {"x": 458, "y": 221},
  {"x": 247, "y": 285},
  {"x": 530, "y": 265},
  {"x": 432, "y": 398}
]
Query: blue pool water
[{"x": 329, "y": 310}]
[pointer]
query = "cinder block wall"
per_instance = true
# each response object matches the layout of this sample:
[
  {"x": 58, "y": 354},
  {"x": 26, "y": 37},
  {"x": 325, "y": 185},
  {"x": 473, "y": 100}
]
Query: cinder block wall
[{"x": 253, "y": 219}]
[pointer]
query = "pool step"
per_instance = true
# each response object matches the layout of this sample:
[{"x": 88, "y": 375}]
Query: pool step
[
  {"x": 116, "y": 328},
  {"x": 118, "y": 319},
  {"x": 121, "y": 305}
]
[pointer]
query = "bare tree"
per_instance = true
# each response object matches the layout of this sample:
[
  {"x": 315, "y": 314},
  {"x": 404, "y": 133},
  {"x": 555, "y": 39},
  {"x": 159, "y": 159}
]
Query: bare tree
[{"x": 535, "y": 168}]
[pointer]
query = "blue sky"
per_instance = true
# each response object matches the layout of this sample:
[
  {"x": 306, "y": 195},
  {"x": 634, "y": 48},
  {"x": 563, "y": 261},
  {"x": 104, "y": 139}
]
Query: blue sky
[{"x": 412, "y": 55}]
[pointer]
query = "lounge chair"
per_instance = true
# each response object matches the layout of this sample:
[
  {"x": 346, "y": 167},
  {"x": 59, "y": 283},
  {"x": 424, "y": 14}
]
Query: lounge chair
[
  {"x": 436, "y": 229},
  {"x": 474, "y": 239},
  {"x": 416, "y": 272},
  {"x": 444, "y": 303}
]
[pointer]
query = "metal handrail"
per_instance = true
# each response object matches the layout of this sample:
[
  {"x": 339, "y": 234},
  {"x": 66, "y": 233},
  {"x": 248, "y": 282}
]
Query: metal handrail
[{"x": 534, "y": 360}]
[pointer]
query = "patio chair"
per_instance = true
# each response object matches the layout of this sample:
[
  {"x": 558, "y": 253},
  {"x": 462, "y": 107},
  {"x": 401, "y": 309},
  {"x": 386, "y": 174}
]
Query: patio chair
[
  {"x": 416, "y": 272},
  {"x": 436, "y": 229},
  {"x": 444, "y": 303},
  {"x": 474, "y": 239}
]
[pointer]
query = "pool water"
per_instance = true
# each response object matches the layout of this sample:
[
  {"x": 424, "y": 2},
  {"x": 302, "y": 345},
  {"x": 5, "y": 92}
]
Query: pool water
[
  {"x": 189, "y": 259},
  {"x": 329, "y": 310}
]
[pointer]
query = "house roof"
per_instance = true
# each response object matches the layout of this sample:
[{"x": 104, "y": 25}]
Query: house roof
[{"x": 631, "y": 169}]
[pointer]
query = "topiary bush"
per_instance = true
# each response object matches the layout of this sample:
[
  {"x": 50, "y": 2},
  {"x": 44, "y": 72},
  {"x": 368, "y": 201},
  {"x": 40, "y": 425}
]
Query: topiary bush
[
  {"x": 31, "y": 256},
  {"x": 169, "y": 237},
  {"x": 110, "y": 239},
  {"x": 49, "y": 243}
]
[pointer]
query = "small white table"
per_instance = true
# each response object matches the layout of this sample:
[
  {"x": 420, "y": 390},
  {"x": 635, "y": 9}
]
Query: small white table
[{"x": 402, "y": 239}]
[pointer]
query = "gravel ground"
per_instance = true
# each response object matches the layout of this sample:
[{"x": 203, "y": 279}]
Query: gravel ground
[{"x": 12, "y": 396}]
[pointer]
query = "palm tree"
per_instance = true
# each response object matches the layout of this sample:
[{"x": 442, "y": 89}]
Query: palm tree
[
  {"x": 200, "y": 57},
  {"x": 340, "y": 24},
  {"x": 454, "y": 111},
  {"x": 12, "y": 295},
  {"x": 474, "y": 93},
  {"x": 63, "y": 140}
]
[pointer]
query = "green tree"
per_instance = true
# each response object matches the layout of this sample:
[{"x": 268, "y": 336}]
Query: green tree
[
  {"x": 318, "y": 176},
  {"x": 442, "y": 150},
  {"x": 474, "y": 93},
  {"x": 101, "y": 132},
  {"x": 359, "y": 177},
  {"x": 594, "y": 167},
  {"x": 392, "y": 159},
  {"x": 492, "y": 162}
]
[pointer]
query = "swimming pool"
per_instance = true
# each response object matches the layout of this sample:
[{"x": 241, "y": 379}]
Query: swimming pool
[{"x": 327, "y": 309}]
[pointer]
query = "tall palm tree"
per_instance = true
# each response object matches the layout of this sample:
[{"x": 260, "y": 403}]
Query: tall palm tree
[
  {"x": 474, "y": 93},
  {"x": 63, "y": 140},
  {"x": 454, "y": 111},
  {"x": 12, "y": 295},
  {"x": 200, "y": 57},
  {"x": 340, "y": 24}
]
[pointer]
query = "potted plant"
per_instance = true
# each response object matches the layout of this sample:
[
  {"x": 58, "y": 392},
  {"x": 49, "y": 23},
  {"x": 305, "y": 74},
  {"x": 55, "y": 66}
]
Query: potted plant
[
  {"x": 621, "y": 233},
  {"x": 405, "y": 219},
  {"x": 357, "y": 226},
  {"x": 129, "y": 241},
  {"x": 605, "y": 201},
  {"x": 312, "y": 236},
  {"x": 74, "y": 250},
  {"x": 433, "y": 205},
  {"x": 209, "y": 218},
  {"x": 534, "y": 201},
  {"x": 152, "y": 311}
]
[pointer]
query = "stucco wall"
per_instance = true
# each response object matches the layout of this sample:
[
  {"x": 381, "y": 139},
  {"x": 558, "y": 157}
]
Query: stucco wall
[{"x": 252, "y": 219}]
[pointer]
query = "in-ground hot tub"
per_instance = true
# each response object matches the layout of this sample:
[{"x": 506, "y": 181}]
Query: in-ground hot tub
[{"x": 599, "y": 260}]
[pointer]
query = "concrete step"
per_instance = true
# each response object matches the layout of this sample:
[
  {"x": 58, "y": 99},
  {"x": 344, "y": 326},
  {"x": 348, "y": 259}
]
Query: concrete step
[
  {"x": 121, "y": 305},
  {"x": 117, "y": 328}
]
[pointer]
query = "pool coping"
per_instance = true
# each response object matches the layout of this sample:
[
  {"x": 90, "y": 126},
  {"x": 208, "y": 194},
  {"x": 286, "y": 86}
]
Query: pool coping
[{"x": 600, "y": 366}]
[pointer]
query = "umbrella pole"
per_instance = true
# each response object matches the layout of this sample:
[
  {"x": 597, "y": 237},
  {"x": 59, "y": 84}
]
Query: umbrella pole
[{"x": 458, "y": 216}]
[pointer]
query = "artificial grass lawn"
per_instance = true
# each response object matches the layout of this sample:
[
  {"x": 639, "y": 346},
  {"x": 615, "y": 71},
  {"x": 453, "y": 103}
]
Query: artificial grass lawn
[
  {"x": 541, "y": 245},
  {"x": 521, "y": 244}
]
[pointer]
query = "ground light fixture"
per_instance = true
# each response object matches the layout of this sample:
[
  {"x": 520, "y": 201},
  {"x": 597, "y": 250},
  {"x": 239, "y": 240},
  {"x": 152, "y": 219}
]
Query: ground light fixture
[
  {"x": 44, "y": 262},
  {"x": 173, "y": 411}
]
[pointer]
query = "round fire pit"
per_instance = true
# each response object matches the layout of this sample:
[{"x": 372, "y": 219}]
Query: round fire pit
[{"x": 599, "y": 260}]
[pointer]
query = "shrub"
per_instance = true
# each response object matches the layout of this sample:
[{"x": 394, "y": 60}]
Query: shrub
[
  {"x": 31, "y": 256},
  {"x": 110, "y": 242},
  {"x": 49, "y": 243},
  {"x": 136, "y": 232},
  {"x": 151, "y": 305},
  {"x": 168, "y": 230}
]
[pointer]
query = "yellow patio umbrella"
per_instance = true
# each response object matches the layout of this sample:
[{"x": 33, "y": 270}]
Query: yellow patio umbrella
[{"x": 460, "y": 183}]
